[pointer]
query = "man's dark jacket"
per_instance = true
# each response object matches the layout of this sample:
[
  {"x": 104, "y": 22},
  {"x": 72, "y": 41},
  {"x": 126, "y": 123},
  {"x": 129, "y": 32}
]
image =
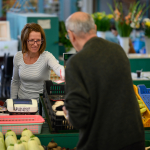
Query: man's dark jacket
[{"x": 100, "y": 97}]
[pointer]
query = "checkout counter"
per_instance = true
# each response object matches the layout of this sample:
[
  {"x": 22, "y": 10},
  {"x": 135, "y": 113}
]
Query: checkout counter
[
  {"x": 66, "y": 139},
  {"x": 140, "y": 62},
  {"x": 70, "y": 139}
]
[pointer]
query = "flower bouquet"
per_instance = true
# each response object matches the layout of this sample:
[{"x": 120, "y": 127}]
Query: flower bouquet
[
  {"x": 146, "y": 25},
  {"x": 102, "y": 21},
  {"x": 124, "y": 24}
]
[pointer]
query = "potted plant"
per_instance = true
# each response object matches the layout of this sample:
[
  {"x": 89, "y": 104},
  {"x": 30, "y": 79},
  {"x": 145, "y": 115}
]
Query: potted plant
[
  {"x": 125, "y": 23},
  {"x": 146, "y": 26},
  {"x": 64, "y": 44},
  {"x": 102, "y": 22}
]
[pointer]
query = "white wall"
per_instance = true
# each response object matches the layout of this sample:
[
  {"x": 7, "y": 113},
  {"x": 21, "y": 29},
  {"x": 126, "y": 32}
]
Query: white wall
[
  {"x": 66, "y": 9},
  {"x": 104, "y": 6},
  {"x": 87, "y": 6}
]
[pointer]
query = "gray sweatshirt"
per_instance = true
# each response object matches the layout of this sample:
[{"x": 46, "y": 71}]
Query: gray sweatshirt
[{"x": 27, "y": 81}]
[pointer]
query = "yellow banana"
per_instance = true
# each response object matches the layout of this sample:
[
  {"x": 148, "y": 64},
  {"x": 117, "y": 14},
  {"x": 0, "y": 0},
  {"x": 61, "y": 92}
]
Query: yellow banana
[
  {"x": 141, "y": 105},
  {"x": 140, "y": 102},
  {"x": 142, "y": 110}
]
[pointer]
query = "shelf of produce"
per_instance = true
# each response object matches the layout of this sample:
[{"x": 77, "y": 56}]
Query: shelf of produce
[
  {"x": 63, "y": 139},
  {"x": 68, "y": 140}
]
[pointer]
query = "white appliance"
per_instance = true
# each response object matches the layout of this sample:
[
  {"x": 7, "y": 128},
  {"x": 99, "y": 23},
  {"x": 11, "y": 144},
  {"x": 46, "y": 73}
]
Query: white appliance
[{"x": 22, "y": 106}]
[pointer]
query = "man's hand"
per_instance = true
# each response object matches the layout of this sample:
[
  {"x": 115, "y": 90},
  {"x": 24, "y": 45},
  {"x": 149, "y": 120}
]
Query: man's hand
[{"x": 65, "y": 112}]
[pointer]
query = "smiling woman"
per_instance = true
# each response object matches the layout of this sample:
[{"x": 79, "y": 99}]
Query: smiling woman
[
  {"x": 33, "y": 65},
  {"x": 33, "y": 44}
]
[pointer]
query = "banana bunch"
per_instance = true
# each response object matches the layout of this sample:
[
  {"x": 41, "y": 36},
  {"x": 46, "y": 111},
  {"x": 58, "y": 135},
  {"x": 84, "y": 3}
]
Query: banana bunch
[{"x": 142, "y": 106}]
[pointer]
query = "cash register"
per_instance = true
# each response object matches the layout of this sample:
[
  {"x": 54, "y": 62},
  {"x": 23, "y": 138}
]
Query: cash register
[{"x": 21, "y": 106}]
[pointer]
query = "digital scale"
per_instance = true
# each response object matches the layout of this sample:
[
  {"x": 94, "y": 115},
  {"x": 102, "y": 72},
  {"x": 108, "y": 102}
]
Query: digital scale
[{"x": 21, "y": 106}]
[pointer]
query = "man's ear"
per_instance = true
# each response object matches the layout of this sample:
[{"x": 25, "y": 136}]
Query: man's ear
[{"x": 71, "y": 36}]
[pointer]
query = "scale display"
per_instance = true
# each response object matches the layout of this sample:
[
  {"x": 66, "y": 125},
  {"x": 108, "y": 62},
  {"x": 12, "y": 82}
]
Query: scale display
[
  {"x": 22, "y": 101},
  {"x": 66, "y": 56}
]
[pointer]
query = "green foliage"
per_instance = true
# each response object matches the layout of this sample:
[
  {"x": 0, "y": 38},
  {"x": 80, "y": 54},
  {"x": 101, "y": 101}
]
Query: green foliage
[
  {"x": 124, "y": 24},
  {"x": 102, "y": 21},
  {"x": 62, "y": 39},
  {"x": 146, "y": 25},
  {"x": 123, "y": 29},
  {"x": 147, "y": 32}
]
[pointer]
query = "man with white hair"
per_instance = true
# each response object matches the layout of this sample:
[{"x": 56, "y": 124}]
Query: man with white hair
[{"x": 100, "y": 100}]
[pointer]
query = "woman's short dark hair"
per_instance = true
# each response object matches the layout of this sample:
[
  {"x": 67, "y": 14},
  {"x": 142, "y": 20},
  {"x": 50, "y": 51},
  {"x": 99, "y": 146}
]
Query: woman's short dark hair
[{"x": 28, "y": 28}]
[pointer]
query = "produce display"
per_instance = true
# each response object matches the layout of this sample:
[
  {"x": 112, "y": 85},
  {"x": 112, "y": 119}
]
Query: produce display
[
  {"x": 141, "y": 106},
  {"x": 54, "y": 146},
  {"x": 2, "y": 143},
  {"x": 27, "y": 141}
]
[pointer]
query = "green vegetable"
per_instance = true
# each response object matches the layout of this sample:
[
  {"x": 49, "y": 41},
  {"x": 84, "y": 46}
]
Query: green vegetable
[
  {"x": 10, "y": 140},
  {"x": 32, "y": 145},
  {"x": 26, "y": 132},
  {"x": 12, "y": 133},
  {"x": 36, "y": 139},
  {"x": 141, "y": 105},
  {"x": 140, "y": 102},
  {"x": 62, "y": 39},
  {"x": 142, "y": 110},
  {"x": 1, "y": 135},
  {"x": 10, "y": 147},
  {"x": 2, "y": 139},
  {"x": 2, "y": 144},
  {"x": 25, "y": 144},
  {"x": 24, "y": 138},
  {"x": 19, "y": 146}
]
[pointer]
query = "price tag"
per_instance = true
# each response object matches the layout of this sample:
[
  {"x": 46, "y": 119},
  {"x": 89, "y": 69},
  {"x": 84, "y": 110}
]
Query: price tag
[{"x": 22, "y": 109}]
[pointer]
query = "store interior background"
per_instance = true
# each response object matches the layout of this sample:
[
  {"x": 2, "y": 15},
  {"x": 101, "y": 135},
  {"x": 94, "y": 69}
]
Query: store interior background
[{"x": 56, "y": 11}]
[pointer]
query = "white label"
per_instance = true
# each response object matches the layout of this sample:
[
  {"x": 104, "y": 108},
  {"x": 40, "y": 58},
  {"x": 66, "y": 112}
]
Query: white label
[
  {"x": 45, "y": 24},
  {"x": 22, "y": 109}
]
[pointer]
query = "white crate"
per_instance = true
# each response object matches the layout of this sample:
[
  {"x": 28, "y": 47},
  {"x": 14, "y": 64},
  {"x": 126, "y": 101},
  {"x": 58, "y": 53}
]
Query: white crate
[{"x": 4, "y": 31}]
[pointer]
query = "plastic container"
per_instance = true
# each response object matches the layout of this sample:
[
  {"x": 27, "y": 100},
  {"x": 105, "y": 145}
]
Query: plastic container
[
  {"x": 144, "y": 94},
  {"x": 18, "y": 123},
  {"x": 145, "y": 115},
  {"x": 57, "y": 124},
  {"x": 138, "y": 44}
]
